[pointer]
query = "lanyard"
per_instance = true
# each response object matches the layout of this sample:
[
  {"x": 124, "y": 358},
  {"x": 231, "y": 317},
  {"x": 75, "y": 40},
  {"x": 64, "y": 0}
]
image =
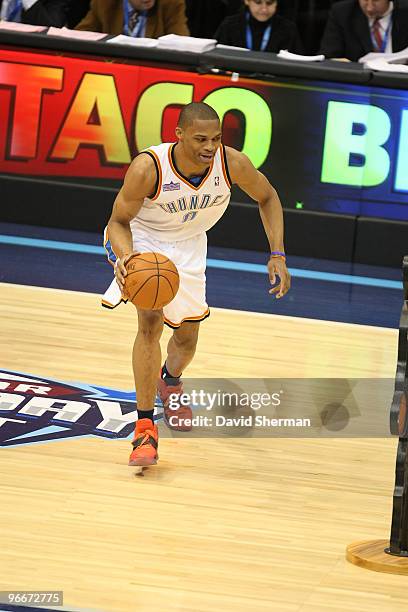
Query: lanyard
[
  {"x": 140, "y": 26},
  {"x": 384, "y": 40},
  {"x": 249, "y": 39}
]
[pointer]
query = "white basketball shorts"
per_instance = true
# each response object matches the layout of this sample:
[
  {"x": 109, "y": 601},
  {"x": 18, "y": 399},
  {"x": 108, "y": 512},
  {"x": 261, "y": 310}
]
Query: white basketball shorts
[{"x": 189, "y": 256}]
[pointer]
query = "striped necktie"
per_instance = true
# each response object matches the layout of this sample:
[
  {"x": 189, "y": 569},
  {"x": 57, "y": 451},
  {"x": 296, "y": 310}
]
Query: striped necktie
[
  {"x": 133, "y": 19},
  {"x": 377, "y": 35}
]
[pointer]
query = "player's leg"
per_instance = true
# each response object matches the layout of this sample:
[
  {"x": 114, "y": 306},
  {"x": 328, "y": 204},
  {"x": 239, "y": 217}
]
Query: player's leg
[
  {"x": 182, "y": 347},
  {"x": 180, "y": 351},
  {"x": 146, "y": 363},
  {"x": 146, "y": 359}
]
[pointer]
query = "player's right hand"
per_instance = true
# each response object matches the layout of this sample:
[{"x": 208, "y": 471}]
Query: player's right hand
[{"x": 121, "y": 272}]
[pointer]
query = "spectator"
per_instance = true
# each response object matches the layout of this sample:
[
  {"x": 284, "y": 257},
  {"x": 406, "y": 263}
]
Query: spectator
[
  {"x": 39, "y": 12},
  {"x": 143, "y": 18},
  {"x": 356, "y": 27},
  {"x": 257, "y": 27},
  {"x": 204, "y": 16}
]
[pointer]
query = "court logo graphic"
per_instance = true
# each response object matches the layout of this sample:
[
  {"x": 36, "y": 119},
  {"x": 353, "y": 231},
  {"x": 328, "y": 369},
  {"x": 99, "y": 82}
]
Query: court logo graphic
[{"x": 36, "y": 409}]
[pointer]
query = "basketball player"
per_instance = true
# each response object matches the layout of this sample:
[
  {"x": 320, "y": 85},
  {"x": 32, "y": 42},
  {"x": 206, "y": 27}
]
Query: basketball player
[{"x": 172, "y": 194}]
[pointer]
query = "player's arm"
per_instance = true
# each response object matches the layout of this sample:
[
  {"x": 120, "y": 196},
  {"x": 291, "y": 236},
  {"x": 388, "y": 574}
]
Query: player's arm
[
  {"x": 257, "y": 186},
  {"x": 139, "y": 183}
]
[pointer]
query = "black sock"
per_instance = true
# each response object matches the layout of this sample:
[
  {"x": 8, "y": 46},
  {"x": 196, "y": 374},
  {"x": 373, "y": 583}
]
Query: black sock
[
  {"x": 145, "y": 414},
  {"x": 168, "y": 378}
]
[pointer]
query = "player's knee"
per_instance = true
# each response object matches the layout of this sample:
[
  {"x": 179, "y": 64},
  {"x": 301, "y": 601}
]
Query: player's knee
[
  {"x": 150, "y": 324},
  {"x": 186, "y": 342}
]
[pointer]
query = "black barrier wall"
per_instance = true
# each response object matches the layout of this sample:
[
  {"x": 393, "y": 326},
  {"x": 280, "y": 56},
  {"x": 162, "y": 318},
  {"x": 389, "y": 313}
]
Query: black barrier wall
[{"x": 308, "y": 233}]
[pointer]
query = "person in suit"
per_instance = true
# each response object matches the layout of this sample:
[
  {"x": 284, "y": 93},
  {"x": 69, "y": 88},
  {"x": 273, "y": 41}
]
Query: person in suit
[
  {"x": 142, "y": 18},
  {"x": 37, "y": 12},
  {"x": 357, "y": 27},
  {"x": 259, "y": 28}
]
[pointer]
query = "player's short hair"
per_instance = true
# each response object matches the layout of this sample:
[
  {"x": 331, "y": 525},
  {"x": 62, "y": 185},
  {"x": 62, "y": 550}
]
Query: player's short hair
[{"x": 196, "y": 110}]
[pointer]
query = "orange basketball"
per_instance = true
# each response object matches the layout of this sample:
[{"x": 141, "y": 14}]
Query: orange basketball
[{"x": 152, "y": 280}]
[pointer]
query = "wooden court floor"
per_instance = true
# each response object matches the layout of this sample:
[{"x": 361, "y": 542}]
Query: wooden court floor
[{"x": 219, "y": 524}]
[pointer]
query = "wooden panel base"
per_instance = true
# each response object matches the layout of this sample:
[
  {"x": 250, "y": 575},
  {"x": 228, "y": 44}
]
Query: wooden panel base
[
  {"x": 82, "y": 524},
  {"x": 370, "y": 554}
]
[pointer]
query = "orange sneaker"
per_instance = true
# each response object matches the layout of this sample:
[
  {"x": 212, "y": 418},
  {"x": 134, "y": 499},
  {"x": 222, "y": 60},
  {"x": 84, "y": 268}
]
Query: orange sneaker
[
  {"x": 177, "y": 417},
  {"x": 145, "y": 444}
]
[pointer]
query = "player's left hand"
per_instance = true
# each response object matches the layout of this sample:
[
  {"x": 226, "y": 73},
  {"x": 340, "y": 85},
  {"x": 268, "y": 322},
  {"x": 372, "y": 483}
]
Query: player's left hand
[{"x": 277, "y": 268}]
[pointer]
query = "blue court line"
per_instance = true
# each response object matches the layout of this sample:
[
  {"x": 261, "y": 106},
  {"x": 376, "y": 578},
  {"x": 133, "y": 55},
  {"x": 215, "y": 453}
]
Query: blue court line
[{"x": 222, "y": 264}]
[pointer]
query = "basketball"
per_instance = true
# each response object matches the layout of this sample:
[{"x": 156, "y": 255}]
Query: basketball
[{"x": 152, "y": 280}]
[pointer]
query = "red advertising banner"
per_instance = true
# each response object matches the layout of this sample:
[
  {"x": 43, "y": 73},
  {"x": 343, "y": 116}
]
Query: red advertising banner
[
  {"x": 69, "y": 116},
  {"x": 325, "y": 146}
]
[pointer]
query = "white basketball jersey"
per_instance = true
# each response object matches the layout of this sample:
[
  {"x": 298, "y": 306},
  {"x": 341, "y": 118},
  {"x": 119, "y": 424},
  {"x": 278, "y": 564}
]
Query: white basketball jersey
[{"x": 179, "y": 210}]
